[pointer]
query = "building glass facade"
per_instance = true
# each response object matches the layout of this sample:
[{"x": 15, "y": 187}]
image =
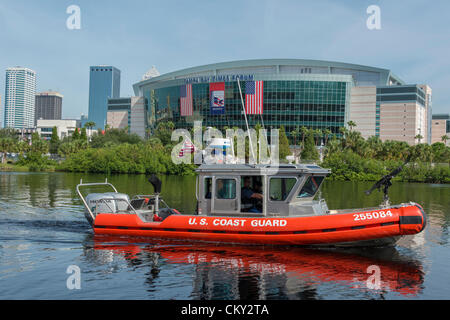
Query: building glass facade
[
  {"x": 396, "y": 94},
  {"x": 293, "y": 104},
  {"x": 48, "y": 105},
  {"x": 20, "y": 89},
  {"x": 104, "y": 83}
]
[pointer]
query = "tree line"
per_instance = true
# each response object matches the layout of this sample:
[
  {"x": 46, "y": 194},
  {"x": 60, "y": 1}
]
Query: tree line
[{"x": 349, "y": 155}]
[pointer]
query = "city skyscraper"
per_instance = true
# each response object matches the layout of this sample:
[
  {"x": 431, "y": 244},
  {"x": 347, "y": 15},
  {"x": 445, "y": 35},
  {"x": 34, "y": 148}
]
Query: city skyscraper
[
  {"x": 48, "y": 106},
  {"x": 104, "y": 83},
  {"x": 20, "y": 90}
]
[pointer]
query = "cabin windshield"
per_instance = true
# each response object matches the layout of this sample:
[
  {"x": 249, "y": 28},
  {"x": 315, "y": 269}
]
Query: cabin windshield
[
  {"x": 311, "y": 186},
  {"x": 280, "y": 188}
]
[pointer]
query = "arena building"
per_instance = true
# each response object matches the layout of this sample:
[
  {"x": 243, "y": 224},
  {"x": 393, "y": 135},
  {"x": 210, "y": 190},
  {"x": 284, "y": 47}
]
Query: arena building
[{"x": 294, "y": 93}]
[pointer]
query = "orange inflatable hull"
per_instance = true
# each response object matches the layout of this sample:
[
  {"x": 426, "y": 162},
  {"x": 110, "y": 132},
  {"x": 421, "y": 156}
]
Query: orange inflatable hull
[{"x": 313, "y": 230}]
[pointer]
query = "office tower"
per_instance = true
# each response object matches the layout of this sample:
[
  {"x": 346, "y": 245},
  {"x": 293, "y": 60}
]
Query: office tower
[
  {"x": 128, "y": 113},
  {"x": 104, "y": 83},
  {"x": 20, "y": 89},
  {"x": 440, "y": 128},
  {"x": 48, "y": 106}
]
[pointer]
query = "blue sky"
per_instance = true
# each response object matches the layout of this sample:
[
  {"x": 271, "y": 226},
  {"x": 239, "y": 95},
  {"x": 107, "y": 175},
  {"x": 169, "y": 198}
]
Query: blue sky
[{"x": 133, "y": 35}]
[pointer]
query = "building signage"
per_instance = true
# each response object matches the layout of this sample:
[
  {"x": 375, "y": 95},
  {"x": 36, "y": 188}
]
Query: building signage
[
  {"x": 221, "y": 78},
  {"x": 217, "y": 96}
]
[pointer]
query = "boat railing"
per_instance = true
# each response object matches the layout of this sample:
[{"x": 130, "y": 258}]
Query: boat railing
[
  {"x": 128, "y": 206},
  {"x": 150, "y": 196},
  {"x": 92, "y": 184}
]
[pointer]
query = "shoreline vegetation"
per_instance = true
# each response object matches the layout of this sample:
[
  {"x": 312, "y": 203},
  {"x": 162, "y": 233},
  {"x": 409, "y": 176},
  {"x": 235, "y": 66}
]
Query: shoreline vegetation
[{"x": 350, "y": 157}]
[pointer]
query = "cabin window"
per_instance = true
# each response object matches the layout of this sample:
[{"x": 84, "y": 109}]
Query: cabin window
[
  {"x": 280, "y": 188},
  {"x": 251, "y": 194},
  {"x": 225, "y": 188},
  {"x": 208, "y": 188},
  {"x": 310, "y": 187}
]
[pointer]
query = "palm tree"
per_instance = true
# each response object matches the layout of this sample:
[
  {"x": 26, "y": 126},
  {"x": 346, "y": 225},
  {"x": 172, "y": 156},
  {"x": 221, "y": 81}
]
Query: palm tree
[
  {"x": 89, "y": 125},
  {"x": 351, "y": 124},
  {"x": 344, "y": 133},
  {"x": 444, "y": 139},
  {"x": 318, "y": 134},
  {"x": 326, "y": 134},
  {"x": 304, "y": 132},
  {"x": 6, "y": 145},
  {"x": 418, "y": 137},
  {"x": 294, "y": 134}
]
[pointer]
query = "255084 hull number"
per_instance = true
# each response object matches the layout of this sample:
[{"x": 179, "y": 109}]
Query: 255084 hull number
[{"x": 372, "y": 215}]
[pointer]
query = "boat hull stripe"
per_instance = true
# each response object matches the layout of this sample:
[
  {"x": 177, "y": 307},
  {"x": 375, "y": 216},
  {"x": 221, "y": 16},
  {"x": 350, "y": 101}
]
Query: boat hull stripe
[{"x": 351, "y": 228}]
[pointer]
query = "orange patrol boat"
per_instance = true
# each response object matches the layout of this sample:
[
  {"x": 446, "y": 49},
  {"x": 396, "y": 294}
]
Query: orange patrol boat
[{"x": 254, "y": 204}]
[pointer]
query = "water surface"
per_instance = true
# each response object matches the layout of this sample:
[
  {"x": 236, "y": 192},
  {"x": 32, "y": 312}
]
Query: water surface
[{"x": 43, "y": 231}]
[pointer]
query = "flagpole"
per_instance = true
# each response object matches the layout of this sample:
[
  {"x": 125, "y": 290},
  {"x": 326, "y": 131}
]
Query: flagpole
[
  {"x": 246, "y": 122},
  {"x": 267, "y": 142},
  {"x": 262, "y": 122}
]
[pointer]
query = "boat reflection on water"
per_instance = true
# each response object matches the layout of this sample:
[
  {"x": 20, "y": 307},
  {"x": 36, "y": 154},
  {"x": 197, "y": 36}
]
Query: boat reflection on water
[{"x": 253, "y": 272}]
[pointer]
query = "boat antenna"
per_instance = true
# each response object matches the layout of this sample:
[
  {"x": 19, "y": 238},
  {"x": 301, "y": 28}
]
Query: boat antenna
[
  {"x": 385, "y": 182},
  {"x": 246, "y": 122}
]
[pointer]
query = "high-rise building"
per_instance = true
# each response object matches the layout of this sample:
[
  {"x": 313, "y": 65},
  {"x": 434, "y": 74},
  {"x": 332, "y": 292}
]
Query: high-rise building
[
  {"x": 104, "y": 83},
  {"x": 440, "y": 128},
  {"x": 128, "y": 113},
  {"x": 404, "y": 113},
  {"x": 48, "y": 106},
  {"x": 20, "y": 92}
]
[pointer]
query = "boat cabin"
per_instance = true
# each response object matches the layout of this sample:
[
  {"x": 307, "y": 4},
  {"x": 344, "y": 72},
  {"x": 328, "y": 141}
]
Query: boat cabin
[{"x": 260, "y": 190}]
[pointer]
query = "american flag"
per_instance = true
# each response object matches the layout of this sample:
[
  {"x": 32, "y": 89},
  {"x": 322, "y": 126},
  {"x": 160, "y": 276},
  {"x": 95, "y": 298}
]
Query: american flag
[
  {"x": 186, "y": 100},
  {"x": 254, "y": 97},
  {"x": 188, "y": 147}
]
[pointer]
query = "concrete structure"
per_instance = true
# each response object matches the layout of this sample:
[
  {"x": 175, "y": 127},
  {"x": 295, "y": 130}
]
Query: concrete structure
[
  {"x": 363, "y": 110},
  {"x": 65, "y": 127},
  {"x": 403, "y": 113},
  {"x": 429, "y": 107},
  {"x": 48, "y": 106},
  {"x": 104, "y": 83},
  {"x": 398, "y": 112},
  {"x": 20, "y": 90},
  {"x": 128, "y": 113},
  {"x": 440, "y": 125}
]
